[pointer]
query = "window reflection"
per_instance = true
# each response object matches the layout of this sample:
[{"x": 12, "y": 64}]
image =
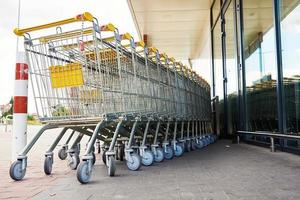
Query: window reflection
[
  {"x": 231, "y": 70},
  {"x": 260, "y": 66},
  {"x": 218, "y": 74},
  {"x": 290, "y": 35}
]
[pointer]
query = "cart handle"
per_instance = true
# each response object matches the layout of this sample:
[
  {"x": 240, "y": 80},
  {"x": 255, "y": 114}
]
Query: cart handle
[
  {"x": 172, "y": 59},
  {"x": 108, "y": 27},
  {"x": 152, "y": 49},
  {"x": 140, "y": 44},
  {"x": 164, "y": 55},
  {"x": 86, "y": 16},
  {"x": 179, "y": 63},
  {"x": 127, "y": 36}
]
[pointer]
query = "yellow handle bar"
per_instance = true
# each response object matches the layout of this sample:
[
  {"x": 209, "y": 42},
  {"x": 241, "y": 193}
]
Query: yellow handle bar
[
  {"x": 108, "y": 27},
  {"x": 152, "y": 50},
  {"x": 86, "y": 16},
  {"x": 172, "y": 60},
  {"x": 126, "y": 36},
  {"x": 140, "y": 44},
  {"x": 164, "y": 55}
]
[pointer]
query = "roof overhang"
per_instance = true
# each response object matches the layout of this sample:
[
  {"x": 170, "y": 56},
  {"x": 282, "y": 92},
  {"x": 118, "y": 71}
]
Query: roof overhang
[{"x": 178, "y": 28}]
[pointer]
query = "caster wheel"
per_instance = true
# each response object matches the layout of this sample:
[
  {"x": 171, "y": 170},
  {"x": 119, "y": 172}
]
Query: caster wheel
[
  {"x": 98, "y": 149},
  {"x": 48, "y": 165},
  {"x": 147, "y": 158},
  {"x": 199, "y": 144},
  {"x": 188, "y": 146},
  {"x": 215, "y": 138},
  {"x": 104, "y": 157},
  {"x": 83, "y": 173},
  {"x": 159, "y": 157},
  {"x": 111, "y": 166},
  {"x": 135, "y": 162},
  {"x": 178, "y": 150},
  {"x": 169, "y": 153},
  {"x": 74, "y": 161},
  {"x": 203, "y": 142},
  {"x": 182, "y": 145},
  {"x": 62, "y": 154},
  {"x": 16, "y": 172},
  {"x": 207, "y": 141},
  {"x": 117, "y": 153},
  {"x": 121, "y": 153},
  {"x": 193, "y": 146},
  {"x": 136, "y": 150},
  {"x": 211, "y": 139},
  {"x": 94, "y": 158}
]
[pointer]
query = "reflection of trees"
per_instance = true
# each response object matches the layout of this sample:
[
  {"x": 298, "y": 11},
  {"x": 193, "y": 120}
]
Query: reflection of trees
[{"x": 262, "y": 105}]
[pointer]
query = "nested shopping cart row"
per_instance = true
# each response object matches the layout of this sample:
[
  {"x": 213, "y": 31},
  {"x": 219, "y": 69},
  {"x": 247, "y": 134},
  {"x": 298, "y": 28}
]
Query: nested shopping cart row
[{"x": 88, "y": 78}]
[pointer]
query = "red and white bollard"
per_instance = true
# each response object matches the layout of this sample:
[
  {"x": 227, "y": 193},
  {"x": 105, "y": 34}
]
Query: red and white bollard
[{"x": 20, "y": 105}]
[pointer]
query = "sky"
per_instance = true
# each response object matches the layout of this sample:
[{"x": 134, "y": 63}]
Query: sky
[
  {"x": 290, "y": 34},
  {"x": 35, "y": 12}
]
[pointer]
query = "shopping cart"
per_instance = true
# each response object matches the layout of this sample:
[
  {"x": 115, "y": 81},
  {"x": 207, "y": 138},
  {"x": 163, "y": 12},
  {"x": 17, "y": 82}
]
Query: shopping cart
[{"x": 92, "y": 80}]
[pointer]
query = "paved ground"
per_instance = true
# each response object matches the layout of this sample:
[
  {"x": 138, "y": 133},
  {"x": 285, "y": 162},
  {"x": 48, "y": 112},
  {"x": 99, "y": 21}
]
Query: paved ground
[
  {"x": 35, "y": 180},
  {"x": 216, "y": 172}
]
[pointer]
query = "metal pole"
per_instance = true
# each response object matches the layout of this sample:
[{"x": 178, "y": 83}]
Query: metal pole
[
  {"x": 244, "y": 120},
  {"x": 225, "y": 120},
  {"x": 212, "y": 55},
  {"x": 19, "y": 139},
  {"x": 238, "y": 64},
  {"x": 272, "y": 144},
  {"x": 156, "y": 132},
  {"x": 279, "y": 83}
]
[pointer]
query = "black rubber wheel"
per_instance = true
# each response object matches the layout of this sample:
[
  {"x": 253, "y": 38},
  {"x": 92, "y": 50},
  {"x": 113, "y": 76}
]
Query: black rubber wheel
[
  {"x": 104, "y": 157},
  {"x": 188, "y": 146},
  {"x": 135, "y": 164},
  {"x": 193, "y": 146},
  {"x": 48, "y": 165},
  {"x": 148, "y": 158},
  {"x": 16, "y": 172},
  {"x": 168, "y": 153},
  {"x": 83, "y": 174},
  {"x": 62, "y": 154},
  {"x": 74, "y": 162},
  {"x": 159, "y": 157},
  {"x": 178, "y": 151},
  {"x": 99, "y": 149},
  {"x": 121, "y": 153},
  {"x": 94, "y": 158},
  {"x": 111, "y": 168},
  {"x": 117, "y": 153}
]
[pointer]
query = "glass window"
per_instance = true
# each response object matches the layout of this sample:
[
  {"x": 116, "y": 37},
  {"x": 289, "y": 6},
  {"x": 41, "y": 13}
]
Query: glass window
[
  {"x": 290, "y": 34},
  {"x": 231, "y": 69},
  {"x": 260, "y": 66},
  {"x": 218, "y": 60},
  {"x": 218, "y": 72}
]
